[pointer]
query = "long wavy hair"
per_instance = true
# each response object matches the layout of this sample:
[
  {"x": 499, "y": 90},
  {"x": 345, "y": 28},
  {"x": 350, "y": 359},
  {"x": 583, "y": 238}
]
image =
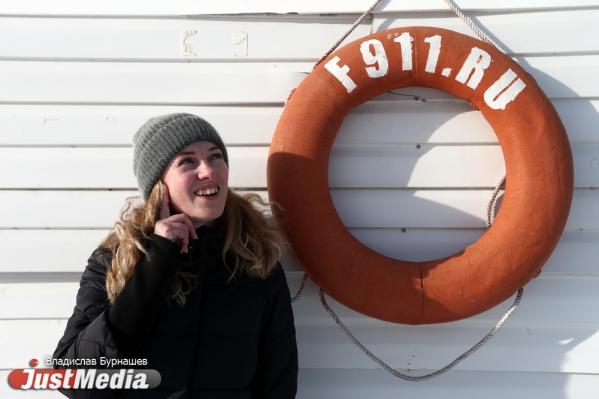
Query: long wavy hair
[{"x": 255, "y": 245}]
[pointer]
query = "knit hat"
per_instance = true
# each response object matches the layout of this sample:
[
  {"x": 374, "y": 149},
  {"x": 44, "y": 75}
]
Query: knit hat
[{"x": 161, "y": 138}]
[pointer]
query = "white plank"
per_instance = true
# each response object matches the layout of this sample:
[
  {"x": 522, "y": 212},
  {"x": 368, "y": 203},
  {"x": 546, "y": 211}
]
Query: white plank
[
  {"x": 357, "y": 208},
  {"x": 148, "y": 83},
  {"x": 21, "y": 341},
  {"x": 434, "y": 209},
  {"x": 386, "y": 166},
  {"x": 378, "y": 384},
  {"x": 54, "y": 300},
  {"x": 375, "y": 122},
  {"x": 351, "y": 166},
  {"x": 62, "y": 209},
  {"x": 229, "y": 83},
  {"x": 553, "y": 74},
  {"x": 548, "y": 300},
  {"x": 448, "y": 122},
  {"x": 581, "y": 119},
  {"x": 65, "y": 209},
  {"x": 64, "y": 125},
  {"x": 527, "y": 32},
  {"x": 392, "y": 166},
  {"x": 187, "y": 7},
  {"x": 173, "y": 39},
  {"x": 295, "y": 39},
  {"x": 576, "y": 252},
  {"x": 107, "y": 167},
  {"x": 68, "y": 250},
  {"x": 323, "y": 345},
  {"x": 569, "y": 349},
  {"x": 64, "y": 250}
]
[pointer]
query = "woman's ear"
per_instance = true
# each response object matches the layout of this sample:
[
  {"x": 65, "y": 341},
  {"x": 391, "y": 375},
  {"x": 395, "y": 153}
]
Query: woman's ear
[{"x": 163, "y": 188}]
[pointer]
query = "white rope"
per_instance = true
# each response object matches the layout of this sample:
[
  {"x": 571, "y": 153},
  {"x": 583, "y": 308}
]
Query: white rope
[
  {"x": 491, "y": 212},
  {"x": 300, "y": 289},
  {"x": 364, "y": 14},
  {"x": 482, "y": 35},
  {"x": 435, "y": 373}
]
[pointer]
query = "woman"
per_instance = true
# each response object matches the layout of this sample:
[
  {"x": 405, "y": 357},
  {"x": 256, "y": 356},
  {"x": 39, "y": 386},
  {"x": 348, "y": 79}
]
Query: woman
[{"x": 188, "y": 280}]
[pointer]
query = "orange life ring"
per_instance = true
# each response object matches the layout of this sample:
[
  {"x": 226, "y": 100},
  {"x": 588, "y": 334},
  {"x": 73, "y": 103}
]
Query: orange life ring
[{"x": 535, "y": 206}]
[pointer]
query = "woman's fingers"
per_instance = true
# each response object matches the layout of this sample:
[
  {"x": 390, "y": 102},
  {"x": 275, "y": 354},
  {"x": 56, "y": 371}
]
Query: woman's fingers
[
  {"x": 164, "y": 209},
  {"x": 176, "y": 228},
  {"x": 182, "y": 235},
  {"x": 174, "y": 231},
  {"x": 183, "y": 218}
]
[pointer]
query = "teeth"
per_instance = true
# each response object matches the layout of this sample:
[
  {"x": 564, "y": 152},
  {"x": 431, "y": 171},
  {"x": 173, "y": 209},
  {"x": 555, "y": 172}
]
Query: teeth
[{"x": 207, "y": 191}]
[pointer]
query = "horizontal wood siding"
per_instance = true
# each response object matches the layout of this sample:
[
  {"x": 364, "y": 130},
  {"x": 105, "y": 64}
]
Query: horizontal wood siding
[
  {"x": 190, "y": 7},
  {"x": 411, "y": 172}
]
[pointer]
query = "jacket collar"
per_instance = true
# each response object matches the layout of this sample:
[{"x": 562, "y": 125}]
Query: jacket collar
[{"x": 210, "y": 241}]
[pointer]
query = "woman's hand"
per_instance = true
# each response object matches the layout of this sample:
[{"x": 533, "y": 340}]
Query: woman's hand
[{"x": 177, "y": 228}]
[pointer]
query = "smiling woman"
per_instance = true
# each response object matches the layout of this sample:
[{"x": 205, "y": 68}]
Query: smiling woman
[
  {"x": 197, "y": 180},
  {"x": 189, "y": 281}
]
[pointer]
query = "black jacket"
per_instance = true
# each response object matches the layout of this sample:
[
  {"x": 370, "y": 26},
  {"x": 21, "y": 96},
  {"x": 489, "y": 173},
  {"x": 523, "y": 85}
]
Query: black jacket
[{"x": 232, "y": 338}]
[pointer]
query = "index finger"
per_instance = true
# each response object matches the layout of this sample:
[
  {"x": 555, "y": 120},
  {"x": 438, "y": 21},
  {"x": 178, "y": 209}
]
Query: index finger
[{"x": 164, "y": 209}]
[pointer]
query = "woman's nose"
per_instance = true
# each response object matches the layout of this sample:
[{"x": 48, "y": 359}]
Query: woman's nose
[{"x": 205, "y": 171}]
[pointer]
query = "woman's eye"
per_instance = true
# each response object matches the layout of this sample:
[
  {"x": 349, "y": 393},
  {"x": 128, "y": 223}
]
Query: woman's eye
[
  {"x": 185, "y": 161},
  {"x": 216, "y": 155}
]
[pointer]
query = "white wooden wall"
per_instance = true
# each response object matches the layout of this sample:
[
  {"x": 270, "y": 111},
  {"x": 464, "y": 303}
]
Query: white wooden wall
[{"x": 410, "y": 178}]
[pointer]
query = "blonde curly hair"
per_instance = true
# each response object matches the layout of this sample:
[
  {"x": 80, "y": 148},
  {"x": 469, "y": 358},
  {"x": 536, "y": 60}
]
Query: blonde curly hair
[{"x": 256, "y": 245}]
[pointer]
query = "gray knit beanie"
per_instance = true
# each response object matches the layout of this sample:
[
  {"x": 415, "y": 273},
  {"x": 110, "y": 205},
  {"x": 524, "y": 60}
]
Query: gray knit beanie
[{"x": 161, "y": 138}]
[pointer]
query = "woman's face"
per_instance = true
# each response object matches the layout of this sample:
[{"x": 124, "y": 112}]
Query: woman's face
[{"x": 197, "y": 179}]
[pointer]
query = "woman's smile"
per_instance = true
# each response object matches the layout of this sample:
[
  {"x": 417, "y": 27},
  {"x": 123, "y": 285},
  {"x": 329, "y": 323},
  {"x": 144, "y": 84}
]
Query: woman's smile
[{"x": 197, "y": 180}]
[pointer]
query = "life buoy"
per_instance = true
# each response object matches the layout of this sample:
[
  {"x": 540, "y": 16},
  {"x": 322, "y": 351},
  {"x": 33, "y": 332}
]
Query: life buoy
[{"x": 535, "y": 147}]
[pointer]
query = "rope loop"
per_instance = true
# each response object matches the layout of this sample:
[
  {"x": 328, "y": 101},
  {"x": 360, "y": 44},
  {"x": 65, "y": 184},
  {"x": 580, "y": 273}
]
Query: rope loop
[
  {"x": 491, "y": 213},
  {"x": 468, "y": 21},
  {"x": 300, "y": 289},
  {"x": 350, "y": 30},
  {"x": 435, "y": 373}
]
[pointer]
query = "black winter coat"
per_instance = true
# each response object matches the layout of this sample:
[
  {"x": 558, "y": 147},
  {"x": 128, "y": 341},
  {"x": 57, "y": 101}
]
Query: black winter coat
[{"x": 231, "y": 339}]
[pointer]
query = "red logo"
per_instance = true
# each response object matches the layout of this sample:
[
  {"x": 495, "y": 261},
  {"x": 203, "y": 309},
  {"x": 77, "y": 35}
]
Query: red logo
[{"x": 39, "y": 378}]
